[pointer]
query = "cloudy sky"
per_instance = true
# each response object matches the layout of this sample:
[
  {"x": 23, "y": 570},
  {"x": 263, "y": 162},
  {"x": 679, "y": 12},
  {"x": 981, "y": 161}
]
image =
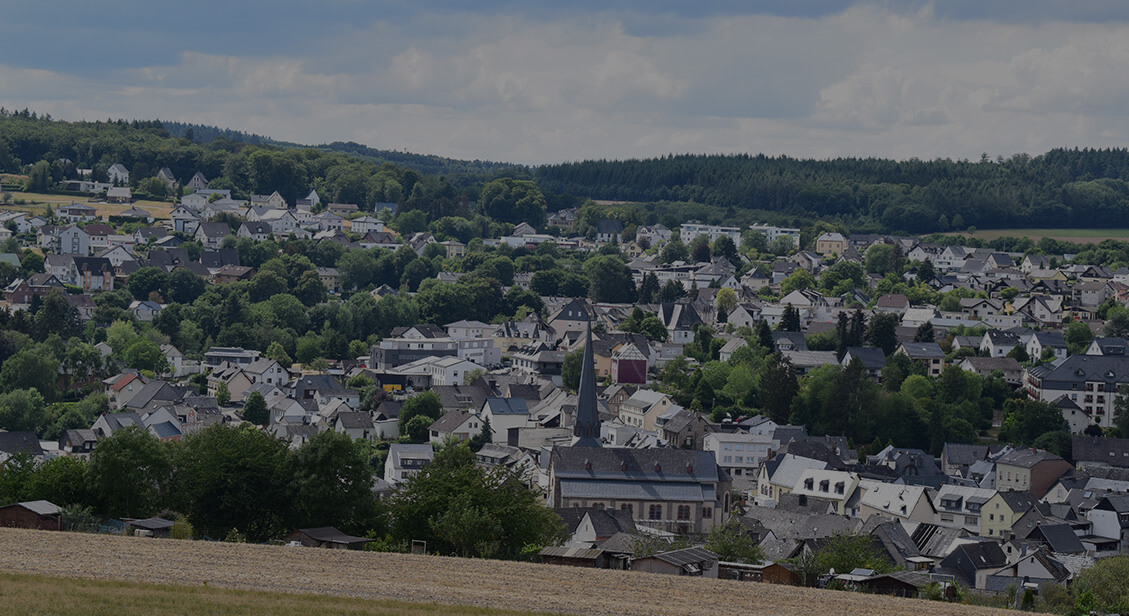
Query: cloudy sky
[{"x": 543, "y": 82}]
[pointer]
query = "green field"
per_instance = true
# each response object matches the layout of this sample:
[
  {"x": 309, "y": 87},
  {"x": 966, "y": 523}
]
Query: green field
[
  {"x": 1079, "y": 236},
  {"x": 34, "y": 595}
]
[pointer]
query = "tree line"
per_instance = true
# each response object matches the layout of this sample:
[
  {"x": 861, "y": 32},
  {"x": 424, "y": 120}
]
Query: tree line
[{"x": 1073, "y": 187}]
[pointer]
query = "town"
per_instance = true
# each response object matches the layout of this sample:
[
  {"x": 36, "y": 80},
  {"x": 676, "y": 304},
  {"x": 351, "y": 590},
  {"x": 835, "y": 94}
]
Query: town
[{"x": 746, "y": 403}]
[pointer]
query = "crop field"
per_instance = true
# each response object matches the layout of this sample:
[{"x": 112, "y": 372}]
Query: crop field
[
  {"x": 475, "y": 584},
  {"x": 1078, "y": 236},
  {"x": 37, "y": 204}
]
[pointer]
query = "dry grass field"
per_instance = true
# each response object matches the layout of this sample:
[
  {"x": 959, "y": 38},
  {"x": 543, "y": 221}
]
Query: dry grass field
[
  {"x": 491, "y": 585},
  {"x": 36, "y": 595},
  {"x": 37, "y": 204}
]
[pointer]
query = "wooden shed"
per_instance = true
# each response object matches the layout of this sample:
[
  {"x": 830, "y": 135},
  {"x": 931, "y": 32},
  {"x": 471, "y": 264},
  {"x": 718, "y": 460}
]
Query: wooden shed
[{"x": 39, "y": 515}]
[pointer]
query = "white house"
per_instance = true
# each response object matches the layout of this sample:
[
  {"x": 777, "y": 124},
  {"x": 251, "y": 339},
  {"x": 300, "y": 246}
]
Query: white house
[{"x": 405, "y": 460}]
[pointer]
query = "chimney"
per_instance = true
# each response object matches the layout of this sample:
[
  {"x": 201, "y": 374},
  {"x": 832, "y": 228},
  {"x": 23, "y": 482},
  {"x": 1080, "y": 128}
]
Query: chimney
[
  {"x": 689, "y": 469},
  {"x": 658, "y": 469},
  {"x": 623, "y": 465},
  {"x": 587, "y": 464}
]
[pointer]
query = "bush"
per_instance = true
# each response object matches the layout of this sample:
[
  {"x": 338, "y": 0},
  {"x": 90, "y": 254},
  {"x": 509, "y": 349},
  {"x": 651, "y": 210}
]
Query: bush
[{"x": 181, "y": 529}]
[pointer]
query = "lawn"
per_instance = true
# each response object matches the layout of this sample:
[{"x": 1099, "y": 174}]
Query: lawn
[{"x": 35, "y": 595}]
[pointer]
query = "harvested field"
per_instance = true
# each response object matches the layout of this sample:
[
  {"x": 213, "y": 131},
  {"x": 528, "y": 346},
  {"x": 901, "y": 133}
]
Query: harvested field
[
  {"x": 404, "y": 577},
  {"x": 29, "y": 595},
  {"x": 36, "y": 203}
]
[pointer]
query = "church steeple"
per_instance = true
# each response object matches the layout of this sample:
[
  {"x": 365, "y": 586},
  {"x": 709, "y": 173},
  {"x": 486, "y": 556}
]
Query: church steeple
[{"x": 586, "y": 430}]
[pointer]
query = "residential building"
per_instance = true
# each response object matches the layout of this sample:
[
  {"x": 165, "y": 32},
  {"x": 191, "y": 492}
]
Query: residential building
[
  {"x": 830, "y": 244},
  {"x": 406, "y": 460},
  {"x": 1032, "y": 470}
]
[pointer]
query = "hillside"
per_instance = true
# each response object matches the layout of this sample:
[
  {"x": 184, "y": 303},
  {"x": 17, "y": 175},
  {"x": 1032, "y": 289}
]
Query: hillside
[
  {"x": 423, "y": 163},
  {"x": 1072, "y": 188},
  {"x": 490, "y": 584}
]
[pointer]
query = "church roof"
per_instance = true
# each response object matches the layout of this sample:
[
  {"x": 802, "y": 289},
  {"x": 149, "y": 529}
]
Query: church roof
[{"x": 587, "y": 427}]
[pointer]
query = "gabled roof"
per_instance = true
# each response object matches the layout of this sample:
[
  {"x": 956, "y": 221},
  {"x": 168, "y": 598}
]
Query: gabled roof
[
  {"x": 329, "y": 534},
  {"x": 871, "y": 357},
  {"x": 450, "y": 421},
  {"x": 923, "y": 350},
  {"x": 20, "y": 442},
  {"x": 650, "y": 465},
  {"x": 1059, "y": 537},
  {"x": 1102, "y": 450},
  {"x": 1027, "y": 458},
  {"x": 41, "y": 507},
  {"x": 355, "y": 421}
]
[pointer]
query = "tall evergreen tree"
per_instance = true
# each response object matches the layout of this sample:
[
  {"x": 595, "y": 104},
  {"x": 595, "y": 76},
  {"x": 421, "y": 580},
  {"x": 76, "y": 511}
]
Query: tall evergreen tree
[{"x": 790, "y": 321}]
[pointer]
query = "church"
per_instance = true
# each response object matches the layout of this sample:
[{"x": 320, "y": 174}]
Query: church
[{"x": 668, "y": 489}]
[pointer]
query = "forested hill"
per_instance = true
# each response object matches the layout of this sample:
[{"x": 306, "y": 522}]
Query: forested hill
[
  {"x": 144, "y": 147},
  {"x": 423, "y": 163},
  {"x": 1062, "y": 188}
]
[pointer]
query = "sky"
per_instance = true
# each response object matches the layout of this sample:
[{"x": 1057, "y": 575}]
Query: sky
[{"x": 544, "y": 82}]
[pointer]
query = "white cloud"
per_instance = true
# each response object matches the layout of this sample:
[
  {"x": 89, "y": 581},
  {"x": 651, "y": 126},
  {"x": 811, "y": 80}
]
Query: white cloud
[{"x": 867, "y": 81}]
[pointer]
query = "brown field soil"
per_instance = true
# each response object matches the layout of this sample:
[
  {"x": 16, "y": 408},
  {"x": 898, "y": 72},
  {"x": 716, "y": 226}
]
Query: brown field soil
[
  {"x": 37, "y": 203},
  {"x": 428, "y": 579},
  {"x": 1078, "y": 236}
]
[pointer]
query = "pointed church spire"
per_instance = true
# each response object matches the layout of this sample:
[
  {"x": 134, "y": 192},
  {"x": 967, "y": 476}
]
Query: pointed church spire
[{"x": 587, "y": 427}]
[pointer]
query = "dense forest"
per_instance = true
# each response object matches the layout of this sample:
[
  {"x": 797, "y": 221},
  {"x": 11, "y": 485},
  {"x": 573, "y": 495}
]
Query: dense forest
[{"x": 1063, "y": 188}]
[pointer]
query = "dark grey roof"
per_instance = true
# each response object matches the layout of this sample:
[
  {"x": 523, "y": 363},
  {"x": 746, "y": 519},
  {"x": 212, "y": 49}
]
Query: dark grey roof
[
  {"x": 964, "y": 454},
  {"x": 215, "y": 229},
  {"x": 1114, "y": 502},
  {"x": 796, "y": 338},
  {"x": 219, "y": 258},
  {"x": 463, "y": 396},
  {"x": 1101, "y": 450},
  {"x": 1019, "y": 501},
  {"x": 686, "y": 556},
  {"x": 1027, "y": 458},
  {"x": 984, "y": 554},
  {"x": 1059, "y": 537},
  {"x": 152, "y": 523},
  {"x": 20, "y": 442},
  {"x": 389, "y": 409},
  {"x": 355, "y": 421},
  {"x": 997, "y": 337},
  {"x": 507, "y": 406},
  {"x": 1077, "y": 369},
  {"x": 426, "y": 330},
  {"x": 586, "y": 428},
  {"x": 871, "y": 357},
  {"x": 450, "y": 420},
  {"x": 329, "y": 534},
  {"x": 664, "y": 465},
  {"x": 923, "y": 350}
]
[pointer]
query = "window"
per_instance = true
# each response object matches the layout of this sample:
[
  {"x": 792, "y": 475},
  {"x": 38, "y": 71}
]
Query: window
[
  {"x": 707, "y": 512},
  {"x": 655, "y": 512},
  {"x": 599, "y": 506},
  {"x": 684, "y": 512},
  {"x": 628, "y": 507}
]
